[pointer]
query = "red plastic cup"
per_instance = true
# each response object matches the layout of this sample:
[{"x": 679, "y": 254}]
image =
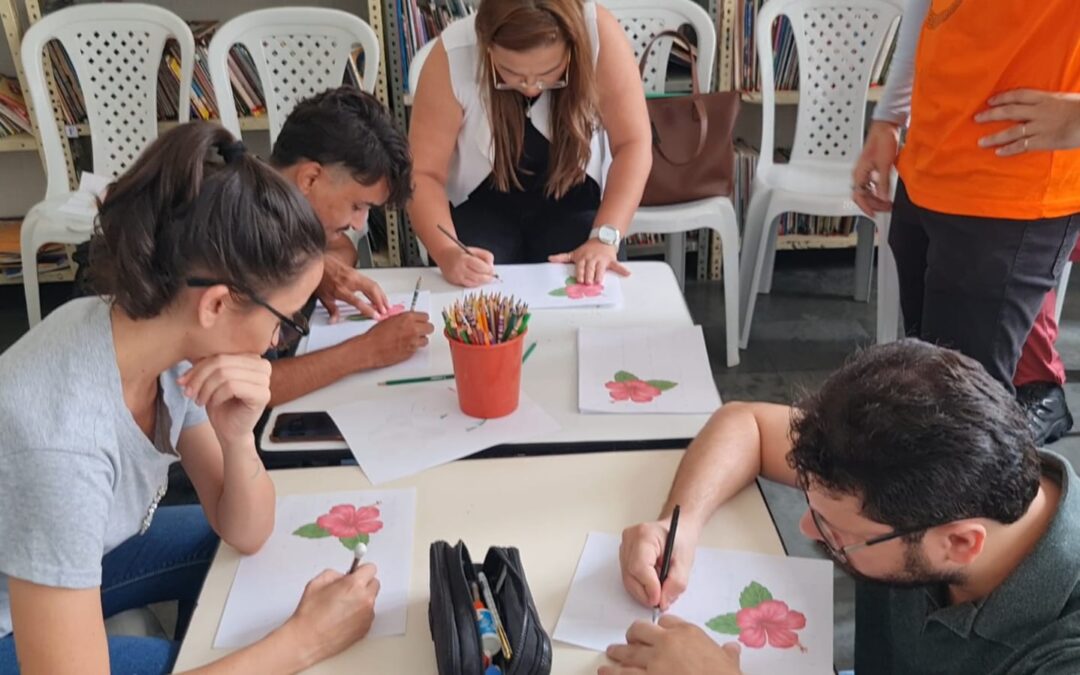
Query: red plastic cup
[{"x": 488, "y": 377}]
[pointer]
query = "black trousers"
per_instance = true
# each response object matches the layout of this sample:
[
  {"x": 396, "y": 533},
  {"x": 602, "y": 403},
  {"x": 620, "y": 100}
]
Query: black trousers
[
  {"x": 976, "y": 284},
  {"x": 525, "y": 226}
]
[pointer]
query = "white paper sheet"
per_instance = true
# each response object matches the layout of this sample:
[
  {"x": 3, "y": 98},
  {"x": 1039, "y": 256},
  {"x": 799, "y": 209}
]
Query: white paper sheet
[
  {"x": 598, "y": 610},
  {"x": 403, "y": 434},
  {"x": 269, "y": 584},
  {"x": 352, "y": 323},
  {"x": 645, "y": 370},
  {"x": 551, "y": 286}
]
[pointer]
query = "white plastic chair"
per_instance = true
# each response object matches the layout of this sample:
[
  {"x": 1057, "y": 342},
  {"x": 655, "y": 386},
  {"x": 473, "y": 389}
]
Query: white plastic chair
[
  {"x": 116, "y": 50},
  {"x": 837, "y": 42},
  {"x": 298, "y": 52},
  {"x": 642, "y": 20}
]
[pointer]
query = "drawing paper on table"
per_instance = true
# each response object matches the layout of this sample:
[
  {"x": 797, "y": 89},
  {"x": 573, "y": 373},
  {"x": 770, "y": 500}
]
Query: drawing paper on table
[
  {"x": 269, "y": 584},
  {"x": 645, "y": 370},
  {"x": 553, "y": 286},
  {"x": 353, "y": 323},
  {"x": 404, "y": 433},
  {"x": 780, "y": 609}
]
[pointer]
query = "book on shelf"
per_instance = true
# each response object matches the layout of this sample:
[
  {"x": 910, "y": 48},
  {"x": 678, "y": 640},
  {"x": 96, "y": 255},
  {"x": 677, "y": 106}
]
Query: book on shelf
[
  {"x": 14, "y": 117},
  {"x": 420, "y": 21},
  {"x": 746, "y": 67},
  {"x": 788, "y": 224},
  {"x": 51, "y": 257}
]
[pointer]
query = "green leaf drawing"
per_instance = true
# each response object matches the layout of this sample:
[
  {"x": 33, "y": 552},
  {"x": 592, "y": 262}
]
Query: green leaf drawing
[
  {"x": 753, "y": 595},
  {"x": 571, "y": 281},
  {"x": 351, "y": 542},
  {"x": 311, "y": 531},
  {"x": 724, "y": 624},
  {"x": 663, "y": 385},
  {"x": 623, "y": 376},
  {"x": 558, "y": 293},
  {"x": 357, "y": 317}
]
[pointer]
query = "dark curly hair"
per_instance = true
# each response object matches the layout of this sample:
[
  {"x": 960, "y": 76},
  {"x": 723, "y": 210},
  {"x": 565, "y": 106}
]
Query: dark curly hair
[{"x": 921, "y": 434}]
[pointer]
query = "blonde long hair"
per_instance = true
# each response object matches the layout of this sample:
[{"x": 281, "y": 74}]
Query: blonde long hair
[{"x": 521, "y": 25}]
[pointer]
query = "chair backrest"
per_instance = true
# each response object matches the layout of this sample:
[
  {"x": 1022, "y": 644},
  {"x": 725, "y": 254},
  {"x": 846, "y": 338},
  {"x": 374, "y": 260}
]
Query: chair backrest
[
  {"x": 116, "y": 50},
  {"x": 417, "y": 64},
  {"x": 837, "y": 43},
  {"x": 643, "y": 19},
  {"x": 298, "y": 52}
]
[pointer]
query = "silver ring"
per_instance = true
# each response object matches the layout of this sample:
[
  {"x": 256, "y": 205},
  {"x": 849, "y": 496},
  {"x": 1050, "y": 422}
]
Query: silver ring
[
  {"x": 1023, "y": 131},
  {"x": 1025, "y": 143}
]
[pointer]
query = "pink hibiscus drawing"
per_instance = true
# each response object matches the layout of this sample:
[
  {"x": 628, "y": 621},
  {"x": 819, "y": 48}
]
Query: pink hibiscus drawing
[
  {"x": 761, "y": 620},
  {"x": 629, "y": 387},
  {"x": 394, "y": 310},
  {"x": 575, "y": 291},
  {"x": 770, "y": 621},
  {"x": 634, "y": 390},
  {"x": 351, "y": 525}
]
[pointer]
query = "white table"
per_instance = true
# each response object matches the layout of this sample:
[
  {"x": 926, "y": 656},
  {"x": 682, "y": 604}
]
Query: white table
[
  {"x": 651, "y": 297},
  {"x": 543, "y": 505}
]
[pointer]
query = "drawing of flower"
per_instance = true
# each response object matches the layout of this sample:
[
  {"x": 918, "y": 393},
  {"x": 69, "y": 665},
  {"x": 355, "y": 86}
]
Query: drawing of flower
[
  {"x": 761, "y": 620},
  {"x": 628, "y": 387},
  {"x": 393, "y": 310},
  {"x": 575, "y": 291},
  {"x": 351, "y": 525},
  {"x": 772, "y": 621}
]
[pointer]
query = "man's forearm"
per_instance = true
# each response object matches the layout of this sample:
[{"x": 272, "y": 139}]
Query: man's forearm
[
  {"x": 293, "y": 377},
  {"x": 343, "y": 249},
  {"x": 740, "y": 442}
]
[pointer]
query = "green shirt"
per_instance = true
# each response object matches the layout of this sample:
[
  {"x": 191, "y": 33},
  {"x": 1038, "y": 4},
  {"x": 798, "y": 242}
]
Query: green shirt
[{"x": 1028, "y": 625}]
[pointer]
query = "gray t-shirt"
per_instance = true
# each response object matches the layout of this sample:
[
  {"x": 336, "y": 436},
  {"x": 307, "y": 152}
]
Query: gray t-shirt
[{"x": 77, "y": 475}]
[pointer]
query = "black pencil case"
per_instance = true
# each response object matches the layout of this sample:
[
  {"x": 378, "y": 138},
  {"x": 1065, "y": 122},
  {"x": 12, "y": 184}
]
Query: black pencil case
[{"x": 452, "y": 616}]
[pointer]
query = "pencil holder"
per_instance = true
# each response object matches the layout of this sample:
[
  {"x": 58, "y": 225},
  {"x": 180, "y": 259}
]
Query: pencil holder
[{"x": 488, "y": 377}]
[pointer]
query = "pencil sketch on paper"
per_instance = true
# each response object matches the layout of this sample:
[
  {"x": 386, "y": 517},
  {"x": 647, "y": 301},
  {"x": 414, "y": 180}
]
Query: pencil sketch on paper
[
  {"x": 626, "y": 386},
  {"x": 351, "y": 525},
  {"x": 761, "y": 620}
]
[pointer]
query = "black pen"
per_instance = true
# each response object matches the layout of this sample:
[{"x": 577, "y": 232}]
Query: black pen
[{"x": 665, "y": 565}]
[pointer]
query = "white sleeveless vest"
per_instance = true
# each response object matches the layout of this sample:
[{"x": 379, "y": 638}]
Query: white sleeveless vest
[{"x": 473, "y": 158}]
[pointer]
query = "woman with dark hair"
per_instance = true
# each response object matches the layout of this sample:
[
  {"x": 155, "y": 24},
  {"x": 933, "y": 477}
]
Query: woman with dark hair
[
  {"x": 205, "y": 256},
  {"x": 530, "y": 140}
]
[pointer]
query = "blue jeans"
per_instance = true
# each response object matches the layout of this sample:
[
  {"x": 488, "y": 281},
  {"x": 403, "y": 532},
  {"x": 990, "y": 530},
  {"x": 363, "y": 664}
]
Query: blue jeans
[{"x": 167, "y": 563}]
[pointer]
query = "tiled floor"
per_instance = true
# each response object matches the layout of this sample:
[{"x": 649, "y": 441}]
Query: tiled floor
[{"x": 802, "y": 331}]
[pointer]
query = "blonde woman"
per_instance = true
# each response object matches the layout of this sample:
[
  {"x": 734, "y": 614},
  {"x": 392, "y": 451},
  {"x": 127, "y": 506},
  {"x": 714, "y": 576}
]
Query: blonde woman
[{"x": 530, "y": 140}]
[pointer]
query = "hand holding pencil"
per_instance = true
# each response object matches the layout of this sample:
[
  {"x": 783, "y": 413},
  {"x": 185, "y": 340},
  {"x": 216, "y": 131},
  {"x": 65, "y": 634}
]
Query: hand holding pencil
[{"x": 468, "y": 266}]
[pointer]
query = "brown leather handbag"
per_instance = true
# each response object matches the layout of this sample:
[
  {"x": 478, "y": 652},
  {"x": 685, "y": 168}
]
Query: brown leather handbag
[{"x": 693, "y": 153}]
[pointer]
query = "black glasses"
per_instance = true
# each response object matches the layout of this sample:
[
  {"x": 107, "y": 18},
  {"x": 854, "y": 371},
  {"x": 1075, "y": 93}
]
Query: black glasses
[
  {"x": 829, "y": 538},
  {"x": 291, "y": 328}
]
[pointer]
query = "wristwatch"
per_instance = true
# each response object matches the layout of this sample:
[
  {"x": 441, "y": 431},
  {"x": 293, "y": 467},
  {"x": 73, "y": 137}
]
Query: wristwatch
[{"x": 606, "y": 234}]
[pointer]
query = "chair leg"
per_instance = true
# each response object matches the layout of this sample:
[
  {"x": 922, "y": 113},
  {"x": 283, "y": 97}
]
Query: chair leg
[
  {"x": 864, "y": 259},
  {"x": 1062, "y": 286},
  {"x": 756, "y": 232},
  {"x": 770, "y": 265},
  {"x": 888, "y": 307},
  {"x": 729, "y": 242},
  {"x": 29, "y": 248},
  {"x": 676, "y": 256}
]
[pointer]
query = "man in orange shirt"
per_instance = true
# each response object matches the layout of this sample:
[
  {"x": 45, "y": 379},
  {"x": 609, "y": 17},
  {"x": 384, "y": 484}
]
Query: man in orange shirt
[{"x": 987, "y": 208}]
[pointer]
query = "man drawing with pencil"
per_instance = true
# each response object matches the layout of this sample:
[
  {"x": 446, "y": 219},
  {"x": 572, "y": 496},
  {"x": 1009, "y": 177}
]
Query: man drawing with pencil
[
  {"x": 342, "y": 151},
  {"x": 923, "y": 482}
]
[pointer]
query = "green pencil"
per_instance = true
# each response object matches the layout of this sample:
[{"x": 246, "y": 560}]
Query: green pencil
[
  {"x": 527, "y": 352},
  {"x": 414, "y": 380}
]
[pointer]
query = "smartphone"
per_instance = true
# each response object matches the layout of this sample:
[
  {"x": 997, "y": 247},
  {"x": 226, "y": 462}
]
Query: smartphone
[{"x": 304, "y": 426}]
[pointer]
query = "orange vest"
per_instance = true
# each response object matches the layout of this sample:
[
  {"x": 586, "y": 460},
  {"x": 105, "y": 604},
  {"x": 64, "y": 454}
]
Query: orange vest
[{"x": 970, "y": 50}]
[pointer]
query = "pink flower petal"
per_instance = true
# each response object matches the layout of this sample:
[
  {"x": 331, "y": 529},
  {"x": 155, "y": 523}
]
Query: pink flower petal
[
  {"x": 752, "y": 637},
  {"x": 593, "y": 290},
  {"x": 575, "y": 291}
]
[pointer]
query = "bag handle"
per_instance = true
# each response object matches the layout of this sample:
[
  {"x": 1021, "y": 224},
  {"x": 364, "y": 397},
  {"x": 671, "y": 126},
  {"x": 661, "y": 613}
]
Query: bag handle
[{"x": 695, "y": 95}]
